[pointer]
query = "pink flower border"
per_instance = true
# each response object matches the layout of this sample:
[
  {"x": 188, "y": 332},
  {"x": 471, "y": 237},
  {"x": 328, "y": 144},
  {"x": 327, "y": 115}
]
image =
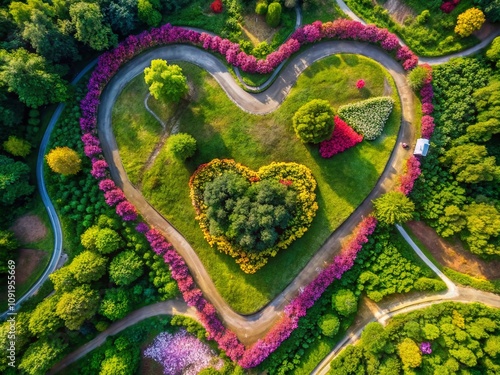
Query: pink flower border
[{"x": 107, "y": 66}]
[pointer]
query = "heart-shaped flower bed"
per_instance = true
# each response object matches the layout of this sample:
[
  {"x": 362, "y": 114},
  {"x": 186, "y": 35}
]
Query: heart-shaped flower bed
[{"x": 251, "y": 215}]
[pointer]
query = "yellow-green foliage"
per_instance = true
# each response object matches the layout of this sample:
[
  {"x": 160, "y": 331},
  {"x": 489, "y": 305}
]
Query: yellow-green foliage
[
  {"x": 17, "y": 146},
  {"x": 64, "y": 160},
  {"x": 469, "y": 21},
  {"x": 300, "y": 179}
]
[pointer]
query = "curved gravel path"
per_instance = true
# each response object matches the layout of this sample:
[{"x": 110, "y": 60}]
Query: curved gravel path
[
  {"x": 51, "y": 211},
  {"x": 252, "y": 327}
]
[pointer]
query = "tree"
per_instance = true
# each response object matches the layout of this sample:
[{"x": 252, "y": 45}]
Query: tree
[
  {"x": 48, "y": 40},
  {"x": 273, "y": 15},
  {"x": 88, "y": 266},
  {"x": 41, "y": 355},
  {"x": 393, "y": 207},
  {"x": 78, "y": 305},
  {"x": 471, "y": 164},
  {"x": 491, "y": 8},
  {"x": 182, "y": 145},
  {"x": 63, "y": 279},
  {"x": 261, "y": 7},
  {"x": 17, "y": 146},
  {"x": 493, "y": 52},
  {"x": 329, "y": 325},
  {"x": 122, "y": 16},
  {"x": 14, "y": 180},
  {"x": 483, "y": 228},
  {"x": 345, "y": 302},
  {"x": 35, "y": 82},
  {"x": 313, "y": 122},
  {"x": 125, "y": 268},
  {"x": 148, "y": 12},
  {"x": 107, "y": 241},
  {"x": 165, "y": 81},
  {"x": 469, "y": 21},
  {"x": 116, "y": 304},
  {"x": 90, "y": 27},
  {"x": 64, "y": 160},
  {"x": 44, "y": 320},
  {"x": 373, "y": 337},
  {"x": 409, "y": 352},
  {"x": 418, "y": 76},
  {"x": 8, "y": 244},
  {"x": 492, "y": 347}
]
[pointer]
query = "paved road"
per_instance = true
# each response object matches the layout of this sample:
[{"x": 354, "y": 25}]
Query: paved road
[
  {"x": 252, "y": 327},
  {"x": 54, "y": 219}
]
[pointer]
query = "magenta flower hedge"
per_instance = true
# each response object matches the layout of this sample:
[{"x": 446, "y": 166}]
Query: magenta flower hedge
[
  {"x": 343, "y": 137},
  {"x": 107, "y": 66},
  {"x": 412, "y": 171}
]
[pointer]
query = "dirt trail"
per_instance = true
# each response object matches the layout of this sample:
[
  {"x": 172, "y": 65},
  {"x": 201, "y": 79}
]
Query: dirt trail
[{"x": 452, "y": 254}]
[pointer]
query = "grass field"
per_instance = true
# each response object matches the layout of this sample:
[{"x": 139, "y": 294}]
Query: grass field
[{"x": 223, "y": 131}]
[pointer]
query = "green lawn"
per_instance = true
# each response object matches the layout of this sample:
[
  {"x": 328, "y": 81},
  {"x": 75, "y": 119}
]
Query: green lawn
[
  {"x": 431, "y": 36},
  {"x": 223, "y": 131}
]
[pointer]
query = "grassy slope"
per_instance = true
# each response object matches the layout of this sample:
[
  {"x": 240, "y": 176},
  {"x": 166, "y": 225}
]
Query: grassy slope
[{"x": 223, "y": 131}]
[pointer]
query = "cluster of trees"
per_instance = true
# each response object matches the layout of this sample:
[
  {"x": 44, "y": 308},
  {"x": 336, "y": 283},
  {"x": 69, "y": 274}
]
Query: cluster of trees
[
  {"x": 251, "y": 216},
  {"x": 447, "y": 338},
  {"x": 458, "y": 191}
]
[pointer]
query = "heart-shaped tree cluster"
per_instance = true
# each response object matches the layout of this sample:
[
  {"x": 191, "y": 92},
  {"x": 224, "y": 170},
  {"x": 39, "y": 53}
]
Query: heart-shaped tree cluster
[{"x": 251, "y": 215}]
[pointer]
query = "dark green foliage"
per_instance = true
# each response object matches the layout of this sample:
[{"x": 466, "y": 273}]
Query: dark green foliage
[
  {"x": 116, "y": 304},
  {"x": 14, "y": 181},
  {"x": 182, "y": 145},
  {"x": 125, "y": 268},
  {"x": 122, "y": 16},
  {"x": 250, "y": 215},
  {"x": 463, "y": 337},
  {"x": 174, "y": 5},
  {"x": 191, "y": 325},
  {"x": 313, "y": 122},
  {"x": 35, "y": 82},
  {"x": 8, "y": 245},
  {"x": 261, "y": 7},
  {"x": 491, "y": 9},
  {"x": 48, "y": 39},
  {"x": 273, "y": 15},
  {"x": 91, "y": 30}
]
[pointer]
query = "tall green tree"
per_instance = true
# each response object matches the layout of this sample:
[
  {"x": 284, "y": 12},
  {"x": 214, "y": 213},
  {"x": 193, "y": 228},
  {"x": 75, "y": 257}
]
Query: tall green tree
[
  {"x": 78, "y": 305},
  {"x": 35, "y": 81},
  {"x": 48, "y": 39},
  {"x": 148, "y": 11},
  {"x": 393, "y": 208},
  {"x": 88, "y": 266},
  {"x": 90, "y": 26},
  {"x": 165, "y": 81},
  {"x": 122, "y": 16},
  {"x": 41, "y": 355},
  {"x": 116, "y": 304},
  {"x": 44, "y": 320},
  {"x": 125, "y": 268},
  {"x": 471, "y": 163},
  {"x": 14, "y": 180}
]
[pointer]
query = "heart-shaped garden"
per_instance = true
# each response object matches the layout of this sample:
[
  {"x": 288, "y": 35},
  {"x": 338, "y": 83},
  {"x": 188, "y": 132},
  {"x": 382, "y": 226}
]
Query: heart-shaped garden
[{"x": 252, "y": 215}]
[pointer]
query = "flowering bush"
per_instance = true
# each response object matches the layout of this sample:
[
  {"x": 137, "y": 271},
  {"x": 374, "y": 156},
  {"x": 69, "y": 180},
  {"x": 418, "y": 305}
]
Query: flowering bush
[
  {"x": 216, "y": 6},
  {"x": 126, "y": 211},
  {"x": 369, "y": 116},
  {"x": 360, "y": 84},
  {"x": 425, "y": 347},
  {"x": 299, "y": 179},
  {"x": 99, "y": 168},
  {"x": 410, "y": 175},
  {"x": 448, "y": 5},
  {"x": 343, "y": 137},
  {"x": 427, "y": 126},
  {"x": 182, "y": 353}
]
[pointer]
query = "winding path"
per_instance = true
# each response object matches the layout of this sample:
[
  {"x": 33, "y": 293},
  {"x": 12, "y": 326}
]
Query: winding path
[
  {"x": 252, "y": 327},
  {"x": 51, "y": 211}
]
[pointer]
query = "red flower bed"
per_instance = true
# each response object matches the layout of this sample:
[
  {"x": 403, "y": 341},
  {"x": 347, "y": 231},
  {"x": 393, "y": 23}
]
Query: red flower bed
[
  {"x": 216, "y": 6},
  {"x": 449, "y": 5},
  {"x": 343, "y": 137}
]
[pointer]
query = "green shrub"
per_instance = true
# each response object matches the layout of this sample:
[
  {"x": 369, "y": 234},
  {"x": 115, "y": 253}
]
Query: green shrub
[
  {"x": 329, "y": 325},
  {"x": 345, "y": 302},
  {"x": 493, "y": 53},
  {"x": 431, "y": 285},
  {"x": 261, "y": 7},
  {"x": 273, "y": 16},
  {"x": 313, "y": 122},
  {"x": 417, "y": 77},
  {"x": 17, "y": 146},
  {"x": 182, "y": 145},
  {"x": 368, "y": 117}
]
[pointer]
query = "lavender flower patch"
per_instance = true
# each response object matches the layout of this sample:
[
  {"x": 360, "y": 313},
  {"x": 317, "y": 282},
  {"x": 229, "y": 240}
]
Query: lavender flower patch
[{"x": 182, "y": 353}]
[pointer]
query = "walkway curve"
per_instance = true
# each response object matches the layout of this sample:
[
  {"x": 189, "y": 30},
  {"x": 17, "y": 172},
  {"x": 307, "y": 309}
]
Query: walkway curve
[
  {"x": 51, "y": 211},
  {"x": 250, "y": 328},
  {"x": 430, "y": 60},
  {"x": 171, "y": 307}
]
